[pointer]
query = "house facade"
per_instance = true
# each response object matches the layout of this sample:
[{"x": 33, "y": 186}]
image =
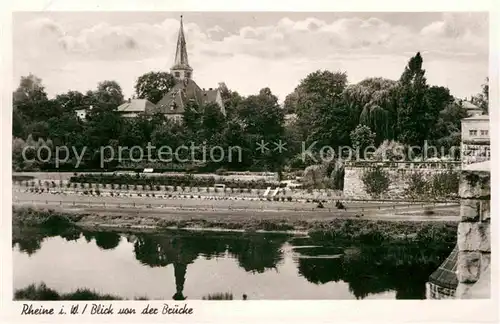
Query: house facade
[{"x": 475, "y": 144}]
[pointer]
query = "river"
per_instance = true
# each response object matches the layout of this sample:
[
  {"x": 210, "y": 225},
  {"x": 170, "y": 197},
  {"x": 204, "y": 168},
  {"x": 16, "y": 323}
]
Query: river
[{"x": 187, "y": 265}]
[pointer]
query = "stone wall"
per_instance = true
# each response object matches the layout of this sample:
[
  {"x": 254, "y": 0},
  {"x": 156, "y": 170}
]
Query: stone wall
[
  {"x": 399, "y": 177},
  {"x": 473, "y": 238}
]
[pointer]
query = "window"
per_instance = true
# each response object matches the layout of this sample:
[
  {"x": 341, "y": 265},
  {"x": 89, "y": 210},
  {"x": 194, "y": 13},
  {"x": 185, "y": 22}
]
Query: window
[
  {"x": 188, "y": 75},
  {"x": 484, "y": 132},
  {"x": 473, "y": 132},
  {"x": 177, "y": 74}
]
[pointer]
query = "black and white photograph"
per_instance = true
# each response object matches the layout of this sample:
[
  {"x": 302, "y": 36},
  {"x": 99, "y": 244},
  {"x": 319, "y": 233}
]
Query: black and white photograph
[{"x": 249, "y": 156}]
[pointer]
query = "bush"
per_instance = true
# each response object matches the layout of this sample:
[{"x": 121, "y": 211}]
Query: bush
[
  {"x": 445, "y": 184},
  {"x": 417, "y": 186},
  {"x": 376, "y": 181}
]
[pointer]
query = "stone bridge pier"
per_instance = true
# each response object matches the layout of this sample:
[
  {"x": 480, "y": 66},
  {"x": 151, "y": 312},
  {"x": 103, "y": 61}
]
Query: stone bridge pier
[{"x": 473, "y": 237}]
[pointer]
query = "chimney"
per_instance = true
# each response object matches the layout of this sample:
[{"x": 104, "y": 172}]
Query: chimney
[{"x": 129, "y": 100}]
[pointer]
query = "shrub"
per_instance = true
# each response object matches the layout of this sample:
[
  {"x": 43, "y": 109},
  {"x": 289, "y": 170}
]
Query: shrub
[
  {"x": 376, "y": 181},
  {"x": 445, "y": 184},
  {"x": 417, "y": 186}
]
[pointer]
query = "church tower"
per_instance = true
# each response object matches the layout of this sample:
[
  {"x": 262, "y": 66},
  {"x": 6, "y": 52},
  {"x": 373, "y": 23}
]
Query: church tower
[{"x": 181, "y": 69}]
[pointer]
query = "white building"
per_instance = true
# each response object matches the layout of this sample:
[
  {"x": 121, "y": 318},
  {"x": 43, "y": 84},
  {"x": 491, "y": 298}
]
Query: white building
[{"x": 475, "y": 139}]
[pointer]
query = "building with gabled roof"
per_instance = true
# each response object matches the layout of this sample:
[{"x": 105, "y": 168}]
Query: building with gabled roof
[
  {"x": 472, "y": 109},
  {"x": 136, "y": 107},
  {"x": 185, "y": 90}
]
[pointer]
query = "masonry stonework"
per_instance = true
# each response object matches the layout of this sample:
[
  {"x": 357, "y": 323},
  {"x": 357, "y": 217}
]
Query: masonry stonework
[
  {"x": 399, "y": 175},
  {"x": 473, "y": 237}
]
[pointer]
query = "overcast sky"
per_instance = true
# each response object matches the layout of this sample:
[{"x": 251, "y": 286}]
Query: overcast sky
[{"x": 249, "y": 51}]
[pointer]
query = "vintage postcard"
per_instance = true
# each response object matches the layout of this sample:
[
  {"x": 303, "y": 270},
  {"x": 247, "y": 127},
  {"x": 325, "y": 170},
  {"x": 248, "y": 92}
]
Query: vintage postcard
[{"x": 169, "y": 165}]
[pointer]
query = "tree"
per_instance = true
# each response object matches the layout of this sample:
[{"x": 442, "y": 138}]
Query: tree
[
  {"x": 482, "y": 99},
  {"x": 192, "y": 117},
  {"x": 262, "y": 119},
  {"x": 212, "y": 121},
  {"x": 30, "y": 101},
  {"x": 18, "y": 122},
  {"x": 230, "y": 99},
  {"x": 320, "y": 108},
  {"x": 446, "y": 133},
  {"x": 414, "y": 122},
  {"x": 154, "y": 85},
  {"x": 30, "y": 89},
  {"x": 70, "y": 101},
  {"x": 106, "y": 98},
  {"x": 39, "y": 129},
  {"x": 291, "y": 102},
  {"x": 362, "y": 137}
]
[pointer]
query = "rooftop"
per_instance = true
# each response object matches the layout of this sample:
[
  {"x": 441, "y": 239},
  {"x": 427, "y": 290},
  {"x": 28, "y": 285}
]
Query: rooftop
[
  {"x": 135, "y": 105},
  {"x": 480, "y": 117}
]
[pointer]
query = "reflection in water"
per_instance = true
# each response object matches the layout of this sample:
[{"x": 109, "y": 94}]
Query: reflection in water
[{"x": 367, "y": 270}]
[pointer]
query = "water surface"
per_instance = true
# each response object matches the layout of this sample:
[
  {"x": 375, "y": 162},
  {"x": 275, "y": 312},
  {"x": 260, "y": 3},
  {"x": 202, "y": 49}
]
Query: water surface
[{"x": 187, "y": 265}]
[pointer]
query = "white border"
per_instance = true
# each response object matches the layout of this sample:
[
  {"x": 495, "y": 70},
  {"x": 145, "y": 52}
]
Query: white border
[{"x": 477, "y": 311}]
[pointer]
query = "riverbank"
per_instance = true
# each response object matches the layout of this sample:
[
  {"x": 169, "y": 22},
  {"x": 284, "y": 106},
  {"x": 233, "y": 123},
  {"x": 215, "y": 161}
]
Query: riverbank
[{"x": 319, "y": 226}]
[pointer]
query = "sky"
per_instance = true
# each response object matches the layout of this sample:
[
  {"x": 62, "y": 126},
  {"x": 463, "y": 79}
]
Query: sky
[{"x": 249, "y": 50}]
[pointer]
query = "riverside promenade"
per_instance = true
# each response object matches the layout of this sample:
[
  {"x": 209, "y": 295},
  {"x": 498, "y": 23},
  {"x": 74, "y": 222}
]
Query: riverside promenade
[{"x": 202, "y": 206}]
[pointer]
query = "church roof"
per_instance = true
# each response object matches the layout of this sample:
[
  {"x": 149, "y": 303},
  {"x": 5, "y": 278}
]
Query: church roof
[
  {"x": 136, "y": 106},
  {"x": 175, "y": 101},
  {"x": 209, "y": 95}
]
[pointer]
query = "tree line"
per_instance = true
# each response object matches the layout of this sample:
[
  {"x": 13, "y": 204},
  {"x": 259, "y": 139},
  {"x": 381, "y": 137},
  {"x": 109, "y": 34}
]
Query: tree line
[{"x": 326, "y": 109}]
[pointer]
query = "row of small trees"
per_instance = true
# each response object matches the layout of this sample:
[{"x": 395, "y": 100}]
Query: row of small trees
[
  {"x": 440, "y": 185},
  {"x": 168, "y": 180}
]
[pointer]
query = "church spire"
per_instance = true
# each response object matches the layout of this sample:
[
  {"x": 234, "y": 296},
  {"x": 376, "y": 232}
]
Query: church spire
[{"x": 181, "y": 69}]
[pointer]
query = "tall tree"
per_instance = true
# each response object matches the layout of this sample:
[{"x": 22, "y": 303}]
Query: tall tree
[
  {"x": 322, "y": 115},
  {"x": 413, "y": 123},
  {"x": 154, "y": 85},
  {"x": 263, "y": 120},
  {"x": 30, "y": 100}
]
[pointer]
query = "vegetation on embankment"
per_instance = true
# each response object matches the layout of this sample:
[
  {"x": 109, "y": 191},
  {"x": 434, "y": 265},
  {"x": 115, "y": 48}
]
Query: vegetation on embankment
[
  {"x": 327, "y": 230},
  {"x": 42, "y": 292},
  {"x": 368, "y": 231},
  {"x": 43, "y": 218}
]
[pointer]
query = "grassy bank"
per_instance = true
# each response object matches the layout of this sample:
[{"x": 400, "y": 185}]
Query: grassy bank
[
  {"x": 42, "y": 292},
  {"x": 337, "y": 229}
]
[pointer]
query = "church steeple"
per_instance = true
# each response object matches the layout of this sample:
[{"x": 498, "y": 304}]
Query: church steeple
[{"x": 181, "y": 69}]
